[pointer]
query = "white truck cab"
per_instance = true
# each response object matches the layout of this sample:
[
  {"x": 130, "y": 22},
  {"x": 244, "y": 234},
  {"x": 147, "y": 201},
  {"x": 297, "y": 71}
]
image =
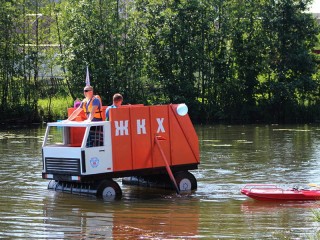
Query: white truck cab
[{"x": 86, "y": 155}]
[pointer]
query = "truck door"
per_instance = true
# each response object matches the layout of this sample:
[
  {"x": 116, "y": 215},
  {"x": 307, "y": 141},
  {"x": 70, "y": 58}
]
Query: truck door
[{"x": 98, "y": 155}]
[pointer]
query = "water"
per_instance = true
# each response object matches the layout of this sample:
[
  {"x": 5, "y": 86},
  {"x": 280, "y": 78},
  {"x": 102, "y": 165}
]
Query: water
[{"x": 231, "y": 156}]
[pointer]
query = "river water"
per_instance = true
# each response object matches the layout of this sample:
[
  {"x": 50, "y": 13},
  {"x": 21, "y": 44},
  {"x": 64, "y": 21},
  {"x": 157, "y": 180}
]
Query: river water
[{"x": 231, "y": 156}]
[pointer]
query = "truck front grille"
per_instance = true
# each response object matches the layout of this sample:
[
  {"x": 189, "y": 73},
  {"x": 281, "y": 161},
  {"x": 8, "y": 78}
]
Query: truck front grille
[{"x": 63, "y": 165}]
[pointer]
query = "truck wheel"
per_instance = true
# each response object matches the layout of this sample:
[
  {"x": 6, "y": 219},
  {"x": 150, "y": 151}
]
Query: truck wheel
[
  {"x": 185, "y": 181},
  {"x": 109, "y": 190}
]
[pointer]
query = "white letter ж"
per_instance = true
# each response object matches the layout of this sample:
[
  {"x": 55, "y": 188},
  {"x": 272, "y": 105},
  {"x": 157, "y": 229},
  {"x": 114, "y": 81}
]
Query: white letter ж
[{"x": 121, "y": 127}]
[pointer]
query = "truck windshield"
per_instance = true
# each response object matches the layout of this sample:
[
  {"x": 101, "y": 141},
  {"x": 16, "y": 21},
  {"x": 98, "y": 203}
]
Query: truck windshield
[
  {"x": 65, "y": 136},
  {"x": 73, "y": 136}
]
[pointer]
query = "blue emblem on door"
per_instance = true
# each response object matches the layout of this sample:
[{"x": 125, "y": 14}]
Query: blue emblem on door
[{"x": 94, "y": 162}]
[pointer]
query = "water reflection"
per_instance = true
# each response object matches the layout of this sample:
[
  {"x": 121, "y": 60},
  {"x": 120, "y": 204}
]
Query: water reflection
[
  {"x": 159, "y": 218},
  {"x": 250, "y": 207},
  {"x": 286, "y": 217}
]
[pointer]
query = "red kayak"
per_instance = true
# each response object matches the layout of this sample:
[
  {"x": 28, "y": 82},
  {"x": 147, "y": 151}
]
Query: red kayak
[{"x": 269, "y": 192}]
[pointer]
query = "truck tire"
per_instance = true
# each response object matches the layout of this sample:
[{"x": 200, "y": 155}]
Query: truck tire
[
  {"x": 185, "y": 181},
  {"x": 109, "y": 190}
]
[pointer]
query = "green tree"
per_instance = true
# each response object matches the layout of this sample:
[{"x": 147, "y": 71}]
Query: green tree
[
  {"x": 173, "y": 31},
  {"x": 101, "y": 34},
  {"x": 247, "y": 51},
  {"x": 290, "y": 35},
  {"x": 13, "y": 88}
]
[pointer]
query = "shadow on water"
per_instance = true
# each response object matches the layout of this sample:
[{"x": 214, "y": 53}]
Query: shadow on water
[{"x": 231, "y": 156}]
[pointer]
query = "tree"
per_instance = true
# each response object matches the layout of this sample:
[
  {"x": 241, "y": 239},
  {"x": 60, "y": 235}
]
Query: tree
[
  {"x": 290, "y": 34},
  {"x": 173, "y": 34},
  {"x": 100, "y": 34}
]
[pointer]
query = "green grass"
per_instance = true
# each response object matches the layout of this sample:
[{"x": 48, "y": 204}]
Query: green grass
[
  {"x": 55, "y": 110},
  {"x": 318, "y": 44}
]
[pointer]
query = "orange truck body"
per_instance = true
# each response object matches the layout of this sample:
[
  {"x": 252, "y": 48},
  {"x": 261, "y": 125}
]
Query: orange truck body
[{"x": 133, "y": 132}]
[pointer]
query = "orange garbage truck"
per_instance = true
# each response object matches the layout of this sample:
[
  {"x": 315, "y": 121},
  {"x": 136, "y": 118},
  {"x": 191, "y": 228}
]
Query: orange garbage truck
[{"x": 143, "y": 145}]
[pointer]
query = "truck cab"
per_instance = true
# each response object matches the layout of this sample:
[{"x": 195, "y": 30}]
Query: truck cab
[{"x": 68, "y": 148}]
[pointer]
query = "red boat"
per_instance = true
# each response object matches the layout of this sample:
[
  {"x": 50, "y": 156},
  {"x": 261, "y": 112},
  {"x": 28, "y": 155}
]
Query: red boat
[{"x": 268, "y": 192}]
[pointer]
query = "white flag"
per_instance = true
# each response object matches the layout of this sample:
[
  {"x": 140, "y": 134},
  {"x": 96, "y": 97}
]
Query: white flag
[{"x": 87, "y": 78}]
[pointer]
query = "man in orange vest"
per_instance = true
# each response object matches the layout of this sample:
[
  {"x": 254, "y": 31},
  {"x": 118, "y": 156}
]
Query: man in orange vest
[{"x": 91, "y": 105}]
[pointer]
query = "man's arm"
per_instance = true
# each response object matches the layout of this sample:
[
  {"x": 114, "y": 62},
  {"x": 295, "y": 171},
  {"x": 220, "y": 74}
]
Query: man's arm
[
  {"x": 91, "y": 115},
  {"x": 74, "y": 114}
]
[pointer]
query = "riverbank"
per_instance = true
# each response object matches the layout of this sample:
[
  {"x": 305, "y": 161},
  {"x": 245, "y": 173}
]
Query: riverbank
[{"x": 53, "y": 109}]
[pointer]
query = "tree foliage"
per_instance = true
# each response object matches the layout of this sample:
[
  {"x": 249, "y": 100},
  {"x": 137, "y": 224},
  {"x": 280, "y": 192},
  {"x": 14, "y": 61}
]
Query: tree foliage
[{"x": 235, "y": 61}]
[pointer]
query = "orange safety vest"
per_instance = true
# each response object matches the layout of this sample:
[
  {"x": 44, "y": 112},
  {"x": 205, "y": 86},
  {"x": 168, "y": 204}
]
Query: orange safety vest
[{"x": 88, "y": 109}]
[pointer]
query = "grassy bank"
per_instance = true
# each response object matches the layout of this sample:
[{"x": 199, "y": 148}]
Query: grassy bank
[{"x": 55, "y": 108}]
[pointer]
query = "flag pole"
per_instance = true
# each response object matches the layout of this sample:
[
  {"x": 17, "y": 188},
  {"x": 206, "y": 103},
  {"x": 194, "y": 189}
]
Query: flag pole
[{"x": 87, "y": 77}]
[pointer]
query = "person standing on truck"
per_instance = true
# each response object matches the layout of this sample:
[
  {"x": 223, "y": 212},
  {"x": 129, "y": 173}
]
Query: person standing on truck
[
  {"x": 91, "y": 105},
  {"x": 117, "y": 101}
]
